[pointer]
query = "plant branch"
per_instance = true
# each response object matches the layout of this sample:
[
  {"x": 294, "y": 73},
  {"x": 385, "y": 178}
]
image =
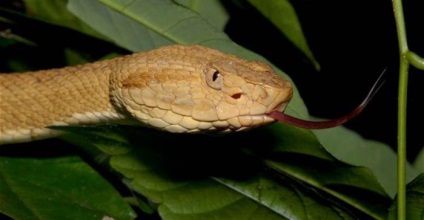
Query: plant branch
[
  {"x": 415, "y": 60},
  {"x": 402, "y": 104}
]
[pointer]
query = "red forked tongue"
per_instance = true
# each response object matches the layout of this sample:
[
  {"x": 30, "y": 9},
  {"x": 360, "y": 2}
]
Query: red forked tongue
[{"x": 287, "y": 119}]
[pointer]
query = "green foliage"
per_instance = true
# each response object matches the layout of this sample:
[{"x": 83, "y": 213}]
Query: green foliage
[
  {"x": 362, "y": 152},
  {"x": 56, "y": 13},
  {"x": 169, "y": 27},
  {"x": 414, "y": 200},
  {"x": 213, "y": 11},
  {"x": 216, "y": 179},
  {"x": 282, "y": 14},
  {"x": 289, "y": 175},
  {"x": 419, "y": 162},
  {"x": 58, "y": 188}
]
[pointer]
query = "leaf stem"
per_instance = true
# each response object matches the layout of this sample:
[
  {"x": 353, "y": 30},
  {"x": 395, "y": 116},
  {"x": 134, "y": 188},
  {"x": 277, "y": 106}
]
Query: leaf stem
[
  {"x": 402, "y": 100},
  {"x": 415, "y": 60}
]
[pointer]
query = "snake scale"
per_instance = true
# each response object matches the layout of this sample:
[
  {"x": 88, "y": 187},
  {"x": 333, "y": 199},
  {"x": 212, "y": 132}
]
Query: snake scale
[{"x": 180, "y": 89}]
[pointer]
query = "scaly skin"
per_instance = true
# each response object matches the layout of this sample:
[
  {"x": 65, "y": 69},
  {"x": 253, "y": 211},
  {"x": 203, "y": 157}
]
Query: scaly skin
[{"x": 175, "y": 88}]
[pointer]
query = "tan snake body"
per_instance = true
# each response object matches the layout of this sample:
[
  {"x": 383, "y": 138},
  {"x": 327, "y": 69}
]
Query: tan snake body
[{"x": 175, "y": 88}]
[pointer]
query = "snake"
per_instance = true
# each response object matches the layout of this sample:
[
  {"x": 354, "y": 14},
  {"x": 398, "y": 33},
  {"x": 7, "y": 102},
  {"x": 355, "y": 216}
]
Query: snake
[{"x": 176, "y": 88}]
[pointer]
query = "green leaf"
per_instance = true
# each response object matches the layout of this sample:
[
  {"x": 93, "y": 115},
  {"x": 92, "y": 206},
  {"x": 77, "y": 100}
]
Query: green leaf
[
  {"x": 259, "y": 196},
  {"x": 414, "y": 200},
  {"x": 59, "y": 188},
  {"x": 21, "y": 30},
  {"x": 326, "y": 172},
  {"x": 358, "y": 151},
  {"x": 55, "y": 12},
  {"x": 148, "y": 30},
  {"x": 419, "y": 161},
  {"x": 282, "y": 14},
  {"x": 74, "y": 57},
  {"x": 109, "y": 139},
  {"x": 211, "y": 10},
  {"x": 162, "y": 172}
]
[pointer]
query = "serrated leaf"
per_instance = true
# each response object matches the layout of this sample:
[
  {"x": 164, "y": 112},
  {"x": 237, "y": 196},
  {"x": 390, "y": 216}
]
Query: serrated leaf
[
  {"x": 414, "y": 200},
  {"x": 282, "y": 14},
  {"x": 59, "y": 188}
]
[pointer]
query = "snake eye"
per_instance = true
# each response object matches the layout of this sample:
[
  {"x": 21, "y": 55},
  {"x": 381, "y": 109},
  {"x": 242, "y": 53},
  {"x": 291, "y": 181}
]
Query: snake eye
[
  {"x": 215, "y": 75},
  {"x": 214, "y": 79}
]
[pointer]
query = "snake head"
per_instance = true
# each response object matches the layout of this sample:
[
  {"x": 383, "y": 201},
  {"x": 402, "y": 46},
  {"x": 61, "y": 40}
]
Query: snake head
[
  {"x": 242, "y": 93},
  {"x": 186, "y": 89}
]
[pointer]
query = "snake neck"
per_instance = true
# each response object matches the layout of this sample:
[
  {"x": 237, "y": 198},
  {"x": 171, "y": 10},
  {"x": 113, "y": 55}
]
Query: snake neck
[{"x": 32, "y": 101}]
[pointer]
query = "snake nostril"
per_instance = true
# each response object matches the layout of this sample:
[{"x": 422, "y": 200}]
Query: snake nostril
[{"x": 236, "y": 96}]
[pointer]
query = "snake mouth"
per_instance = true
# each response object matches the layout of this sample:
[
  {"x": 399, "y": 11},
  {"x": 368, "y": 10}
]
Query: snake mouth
[{"x": 247, "y": 122}]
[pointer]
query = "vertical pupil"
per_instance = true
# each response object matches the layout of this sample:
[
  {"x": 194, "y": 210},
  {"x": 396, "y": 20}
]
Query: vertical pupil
[{"x": 215, "y": 75}]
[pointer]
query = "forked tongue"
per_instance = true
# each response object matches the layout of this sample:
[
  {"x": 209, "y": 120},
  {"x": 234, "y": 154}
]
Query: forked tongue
[{"x": 287, "y": 119}]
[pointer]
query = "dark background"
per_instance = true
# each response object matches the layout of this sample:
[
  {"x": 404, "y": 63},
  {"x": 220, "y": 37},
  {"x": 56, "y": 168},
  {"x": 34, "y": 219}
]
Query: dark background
[{"x": 353, "y": 42}]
